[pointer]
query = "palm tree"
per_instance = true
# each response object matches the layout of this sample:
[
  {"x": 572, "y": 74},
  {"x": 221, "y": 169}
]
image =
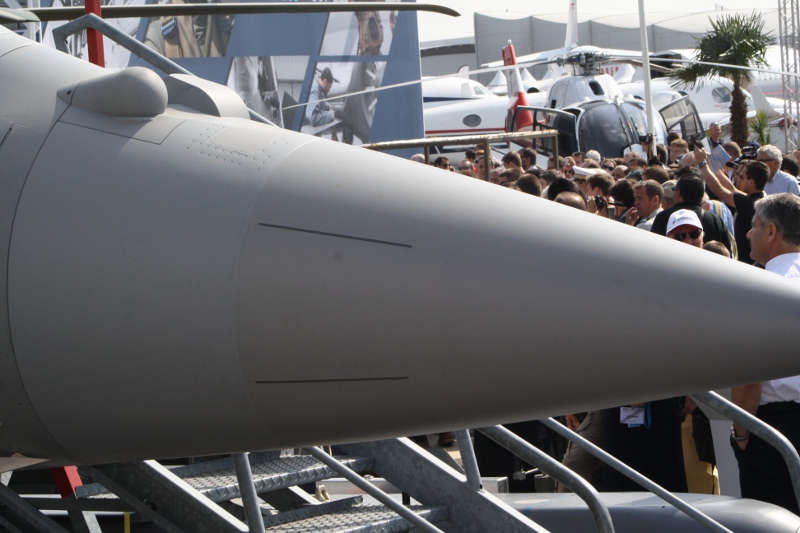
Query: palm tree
[{"x": 736, "y": 40}]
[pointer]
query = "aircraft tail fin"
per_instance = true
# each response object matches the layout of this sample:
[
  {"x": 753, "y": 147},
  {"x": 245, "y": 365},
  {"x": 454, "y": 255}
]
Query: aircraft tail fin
[
  {"x": 516, "y": 93},
  {"x": 761, "y": 102},
  {"x": 571, "y": 40}
]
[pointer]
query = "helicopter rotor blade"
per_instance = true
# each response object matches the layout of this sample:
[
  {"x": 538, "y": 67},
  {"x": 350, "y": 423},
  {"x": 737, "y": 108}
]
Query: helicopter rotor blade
[
  {"x": 420, "y": 81},
  {"x": 243, "y": 8}
]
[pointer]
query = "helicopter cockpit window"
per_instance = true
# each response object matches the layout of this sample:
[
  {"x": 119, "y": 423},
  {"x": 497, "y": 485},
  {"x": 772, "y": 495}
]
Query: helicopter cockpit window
[
  {"x": 637, "y": 116},
  {"x": 602, "y": 129},
  {"x": 721, "y": 95}
]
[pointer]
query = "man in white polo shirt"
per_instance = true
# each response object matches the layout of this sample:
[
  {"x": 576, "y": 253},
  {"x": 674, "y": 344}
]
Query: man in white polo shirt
[
  {"x": 763, "y": 475},
  {"x": 779, "y": 181}
]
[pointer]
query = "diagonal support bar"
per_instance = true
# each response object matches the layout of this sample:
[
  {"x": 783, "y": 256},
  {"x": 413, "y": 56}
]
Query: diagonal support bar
[
  {"x": 164, "y": 497},
  {"x": 373, "y": 491},
  {"x": 25, "y": 511}
]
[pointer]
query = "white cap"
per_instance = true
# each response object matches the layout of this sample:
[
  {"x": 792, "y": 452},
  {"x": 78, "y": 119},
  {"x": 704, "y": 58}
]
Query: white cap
[
  {"x": 580, "y": 171},
  {"x": 683, "y": 217}
]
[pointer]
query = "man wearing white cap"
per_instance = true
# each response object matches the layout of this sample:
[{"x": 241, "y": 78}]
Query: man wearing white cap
[{"x": 684, "y": 226}]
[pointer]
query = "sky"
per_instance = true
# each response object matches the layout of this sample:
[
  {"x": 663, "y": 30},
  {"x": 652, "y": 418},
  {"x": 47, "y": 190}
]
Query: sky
[{"x": 433, "y": 27}]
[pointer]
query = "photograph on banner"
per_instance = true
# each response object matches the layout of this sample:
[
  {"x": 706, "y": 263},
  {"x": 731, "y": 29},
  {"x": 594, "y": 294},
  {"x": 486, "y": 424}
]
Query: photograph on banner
[
  {"x": 268, "y": 85},
  {"x": 333, "y": 111},
  {"x": 191, "y": 36},
  {"x": 367, "y": 33},
  {"x": 115, "y": 55}
]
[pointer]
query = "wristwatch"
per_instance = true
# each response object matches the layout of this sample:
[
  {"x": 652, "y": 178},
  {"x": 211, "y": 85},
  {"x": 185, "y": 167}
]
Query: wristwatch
[
  {"x": 701, "y": 164},
  {"x": 739, "y": 439}
]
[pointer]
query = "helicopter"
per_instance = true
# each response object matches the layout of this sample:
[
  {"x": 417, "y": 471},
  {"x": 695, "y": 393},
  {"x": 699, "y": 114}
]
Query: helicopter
[{"x": 591, "y": 111}]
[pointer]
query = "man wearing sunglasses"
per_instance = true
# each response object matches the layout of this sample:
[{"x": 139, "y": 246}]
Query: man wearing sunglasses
[
  {"x": 442, "y": 162},
  {"x": 684, "y": 226},
  {"x": 688, "y": 194}
]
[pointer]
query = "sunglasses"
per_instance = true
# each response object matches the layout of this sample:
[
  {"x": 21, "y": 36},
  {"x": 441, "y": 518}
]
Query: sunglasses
[
  {"x": 694, "y": 235},
  {"x": 608, "y": 167},
  {"x": 465, "y": 168},
  {"x": 570, "y": 171}
]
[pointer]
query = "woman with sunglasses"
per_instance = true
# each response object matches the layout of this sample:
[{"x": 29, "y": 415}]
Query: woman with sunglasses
[{"x": 608, "y": 165}]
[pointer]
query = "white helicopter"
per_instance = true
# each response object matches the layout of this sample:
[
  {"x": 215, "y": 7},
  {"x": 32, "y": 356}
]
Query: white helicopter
[
  {"x": 611, "y": 74},
  {"x": 576, "y": 75}
]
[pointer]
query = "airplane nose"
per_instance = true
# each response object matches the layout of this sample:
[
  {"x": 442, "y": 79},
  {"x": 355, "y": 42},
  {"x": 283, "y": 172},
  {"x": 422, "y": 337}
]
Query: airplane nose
[
  {"x": 211, "y": 286},
  {"x": 427, "y": 291}
]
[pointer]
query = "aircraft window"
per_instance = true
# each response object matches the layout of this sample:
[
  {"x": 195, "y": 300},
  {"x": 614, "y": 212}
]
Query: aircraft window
[
  {"x": 639, "y": 119},
  {"x": 566, "y": 135},
  {"x": 472, "y": 121},
  {"x": 602, "y": 129},
  {"x": 721, "y": 95},
  {"x": 596, "y": 88},
  {"x": 478, "y": 90},
  {"x": 637, "y": 116}
]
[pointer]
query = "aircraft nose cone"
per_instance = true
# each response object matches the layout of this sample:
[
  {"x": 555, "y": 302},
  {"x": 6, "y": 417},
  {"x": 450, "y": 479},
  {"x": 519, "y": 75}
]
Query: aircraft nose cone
[{"x": 408, "y": 284}]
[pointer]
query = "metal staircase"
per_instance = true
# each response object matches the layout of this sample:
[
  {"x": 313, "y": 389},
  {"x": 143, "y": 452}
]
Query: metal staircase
[{"x": 207, "y": 496}]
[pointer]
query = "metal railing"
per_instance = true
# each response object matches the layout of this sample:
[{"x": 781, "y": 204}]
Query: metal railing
[
  {"x": 483, "y": 141},
  {"x": 757, "y": 427},
  {"x": 635, "y": 476},
  {"x": 554, "y": 469}
]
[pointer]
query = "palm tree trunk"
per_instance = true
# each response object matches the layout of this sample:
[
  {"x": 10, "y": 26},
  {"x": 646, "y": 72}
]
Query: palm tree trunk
[{"x": 738, "y": 108}]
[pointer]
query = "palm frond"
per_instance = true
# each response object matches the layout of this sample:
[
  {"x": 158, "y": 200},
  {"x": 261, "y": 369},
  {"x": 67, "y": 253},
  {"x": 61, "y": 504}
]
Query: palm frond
[{"x": 738, "y": 40}]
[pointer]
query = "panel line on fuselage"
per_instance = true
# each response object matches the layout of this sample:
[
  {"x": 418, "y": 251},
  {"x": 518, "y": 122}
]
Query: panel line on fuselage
[
  {"x": 339, "y": 235},
  {"x": 334, "y": 380}
]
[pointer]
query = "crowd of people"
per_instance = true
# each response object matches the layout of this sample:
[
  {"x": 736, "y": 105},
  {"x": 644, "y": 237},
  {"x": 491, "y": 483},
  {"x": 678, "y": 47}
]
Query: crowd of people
[{"x": 745, "y": 209}]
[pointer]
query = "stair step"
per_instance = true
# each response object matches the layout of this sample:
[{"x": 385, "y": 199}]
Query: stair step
[
  {"x": 362, "y": 519},
  {"x": 217, "y": 479}
]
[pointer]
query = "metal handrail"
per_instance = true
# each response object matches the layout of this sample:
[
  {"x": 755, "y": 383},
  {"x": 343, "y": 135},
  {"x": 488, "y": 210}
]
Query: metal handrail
[
  {"x": 554, "y": 469},
  {"x": 483, "y": 141},
  {"x": 632, "y": 474},
  {"x": 140, "y": 50},
  {"x": 757, "y": 427},
  {"x": 372, "y": 490}
]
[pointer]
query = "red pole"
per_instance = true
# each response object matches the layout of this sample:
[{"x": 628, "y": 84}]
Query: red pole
[
  {"x": 67, "y": 480},
  {"x": 93, "y": 37}
]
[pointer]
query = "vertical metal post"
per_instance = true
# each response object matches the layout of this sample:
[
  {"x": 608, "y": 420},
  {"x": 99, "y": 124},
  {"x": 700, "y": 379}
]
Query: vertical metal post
[
  {"x": 648, "y": 94},
  {"x": 244, "y": 475},
  {"x": 554, "y": 469},
  {"x": 94, "y": 38},
  {"x": 469, "y": 459},
  {"x": 555, "y": 153},
  {"x": 757, "y": 427},
  {"x": 788, "y": 27},
  {"x": 487, "y": 160}
]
